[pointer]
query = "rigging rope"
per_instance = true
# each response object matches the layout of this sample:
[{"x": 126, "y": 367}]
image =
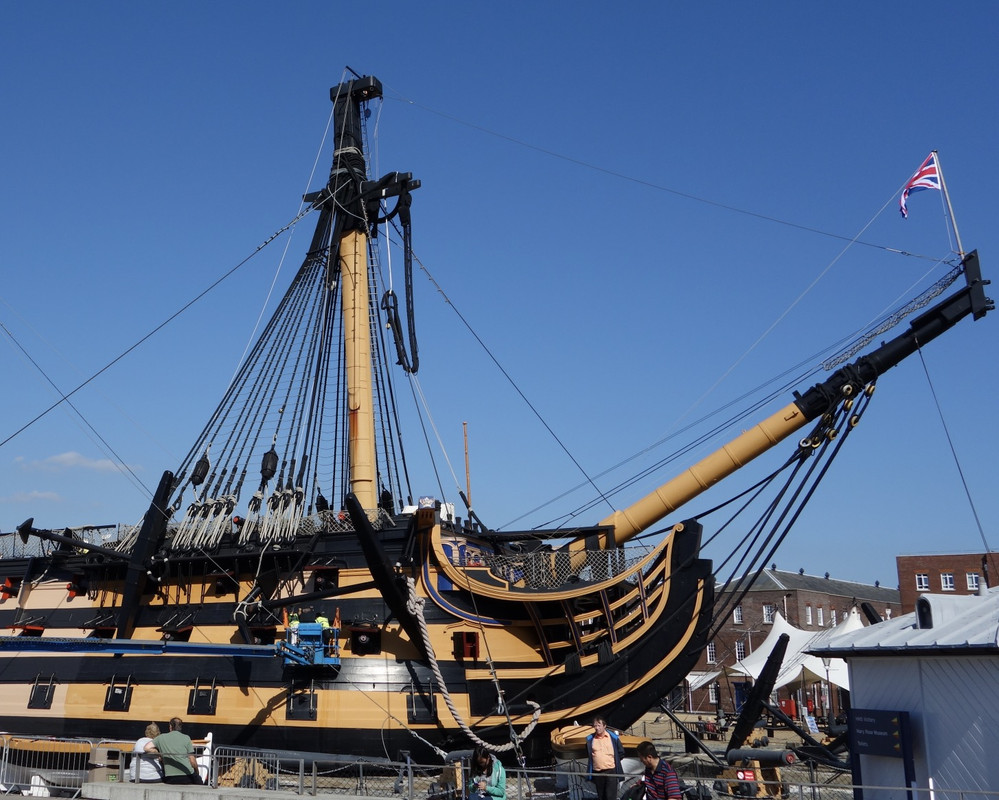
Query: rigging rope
[
  {"x": 414, "y": 605},
  {"x": 894, "y": 319},
  {"x": 822, "y": 436},
  {"x": 287, "y": 245},
  {"x": 155, "y": 330},
  {"x": 281, "y": 387},
  {"x": 104, "y": 445},
  {"x": 957, "y": 461},
  {"x": 604, "y": 496},
  {"x": 659, "y": 187}
]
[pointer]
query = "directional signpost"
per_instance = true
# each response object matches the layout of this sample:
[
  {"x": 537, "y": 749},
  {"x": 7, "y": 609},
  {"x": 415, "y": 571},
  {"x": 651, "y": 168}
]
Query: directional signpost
[{"x": 874, "y": 732}]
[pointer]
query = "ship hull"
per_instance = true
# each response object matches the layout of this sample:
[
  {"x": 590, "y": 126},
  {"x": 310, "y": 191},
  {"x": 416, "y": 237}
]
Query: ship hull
[{"x": 376, "y": 701}]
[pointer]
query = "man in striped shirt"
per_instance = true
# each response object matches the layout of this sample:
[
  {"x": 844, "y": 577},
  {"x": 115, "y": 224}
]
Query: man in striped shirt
[{"x": 661, "y": 781}]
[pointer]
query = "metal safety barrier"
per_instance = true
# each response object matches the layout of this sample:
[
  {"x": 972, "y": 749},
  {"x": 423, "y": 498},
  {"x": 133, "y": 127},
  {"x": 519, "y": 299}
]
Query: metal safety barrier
[
  {"x": 252, "y": 769},
  {"x": 52, "y": 767},
  {"x": 45, "y": 767}
]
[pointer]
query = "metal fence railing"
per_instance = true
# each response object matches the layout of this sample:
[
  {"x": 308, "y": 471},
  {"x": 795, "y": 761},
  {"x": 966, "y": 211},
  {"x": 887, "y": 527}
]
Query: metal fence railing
[
  {"x": 41, "y": 767},
  {"x": 60, "y": 768},
  {"x": 232, "y": 767}
]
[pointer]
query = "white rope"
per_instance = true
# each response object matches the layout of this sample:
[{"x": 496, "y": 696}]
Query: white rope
[
  {"x": 414, "y": 605},
  {"x": 893, "y": 319},
  {"x": 369, "y": 696},
  {"x": 418, "y": 389},
  {"x": 302, "y": 210}
]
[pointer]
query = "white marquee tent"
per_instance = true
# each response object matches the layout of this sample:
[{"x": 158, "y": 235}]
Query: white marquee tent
[{"x": 798, "y": 666}]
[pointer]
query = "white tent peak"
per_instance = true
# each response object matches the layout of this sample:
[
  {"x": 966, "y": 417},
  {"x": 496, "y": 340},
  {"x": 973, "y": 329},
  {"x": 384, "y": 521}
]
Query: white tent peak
[{"x": 798, "y": 664}]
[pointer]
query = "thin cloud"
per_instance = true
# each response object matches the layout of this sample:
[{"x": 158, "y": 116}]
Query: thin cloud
[
  {"x": 32, "y": 497},
  {"x": 67, "y": 461}
]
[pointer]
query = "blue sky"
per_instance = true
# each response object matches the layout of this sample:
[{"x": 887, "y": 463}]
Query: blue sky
[{"x": 642, "y": 212}]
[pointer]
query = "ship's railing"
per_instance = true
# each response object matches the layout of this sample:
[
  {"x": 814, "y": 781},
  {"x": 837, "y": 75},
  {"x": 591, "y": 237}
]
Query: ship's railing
[
  {"x": 110, "y": 536},
  {"x": 123, "y": 537},
  {"x": 545, "y": 569}
]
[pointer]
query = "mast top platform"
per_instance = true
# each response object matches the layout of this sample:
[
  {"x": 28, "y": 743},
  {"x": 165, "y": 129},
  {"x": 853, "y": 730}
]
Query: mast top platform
[{"x": 359, "y": 89}]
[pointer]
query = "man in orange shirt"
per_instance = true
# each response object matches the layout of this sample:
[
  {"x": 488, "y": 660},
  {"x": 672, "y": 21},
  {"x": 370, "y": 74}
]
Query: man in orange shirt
[{"x": 605, "y": 752}]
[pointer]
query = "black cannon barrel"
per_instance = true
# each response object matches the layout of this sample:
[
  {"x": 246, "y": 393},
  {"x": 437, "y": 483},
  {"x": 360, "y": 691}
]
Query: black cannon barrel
[
  {"x": 25, "y": 529},
  {"x": 765, "y": 758}
]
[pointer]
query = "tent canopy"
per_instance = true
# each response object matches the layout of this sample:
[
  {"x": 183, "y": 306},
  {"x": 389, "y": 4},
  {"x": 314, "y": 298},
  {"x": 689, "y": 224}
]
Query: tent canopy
[
  {"x": 798, "y": 665},
  {"x": 696, "y": 679}
]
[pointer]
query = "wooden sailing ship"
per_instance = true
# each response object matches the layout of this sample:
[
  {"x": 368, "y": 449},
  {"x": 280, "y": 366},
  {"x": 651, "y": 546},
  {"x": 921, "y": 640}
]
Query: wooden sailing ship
[{"x": 438, "y": 632}]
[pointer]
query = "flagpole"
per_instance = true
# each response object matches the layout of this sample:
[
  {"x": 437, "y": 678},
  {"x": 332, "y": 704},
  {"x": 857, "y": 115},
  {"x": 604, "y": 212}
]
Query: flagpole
[{"x": 950, "y": 209}]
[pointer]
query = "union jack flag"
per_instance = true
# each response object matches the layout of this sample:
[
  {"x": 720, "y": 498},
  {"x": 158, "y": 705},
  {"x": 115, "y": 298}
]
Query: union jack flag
[{"x": 926, "y": 177}]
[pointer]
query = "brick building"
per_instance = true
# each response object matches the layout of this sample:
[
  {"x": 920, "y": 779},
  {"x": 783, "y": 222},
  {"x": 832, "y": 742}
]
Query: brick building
[
  {"x": 953, "y": 573},
  {"x": 808, "y": 602}
]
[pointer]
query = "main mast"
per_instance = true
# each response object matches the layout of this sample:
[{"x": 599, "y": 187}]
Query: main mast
[
  {"x": 303, "y": 403},
  {"x": 347, "y": 176}
]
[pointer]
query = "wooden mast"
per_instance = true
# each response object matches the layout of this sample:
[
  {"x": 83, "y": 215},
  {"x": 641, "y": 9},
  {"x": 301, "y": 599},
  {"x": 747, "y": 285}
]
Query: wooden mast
[
  {"x": 360, "y": 401},
  {"x": 355, "y": 201},
  {"x": 347, "y": 179},
  {"x": 468, "y": 474}
]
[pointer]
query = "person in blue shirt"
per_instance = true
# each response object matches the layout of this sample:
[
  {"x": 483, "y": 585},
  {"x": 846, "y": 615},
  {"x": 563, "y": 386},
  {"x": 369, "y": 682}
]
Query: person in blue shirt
[{"x": 604, "y": 751}]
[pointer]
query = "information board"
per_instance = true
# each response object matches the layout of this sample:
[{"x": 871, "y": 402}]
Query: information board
[{"x": 879, "y": 733}]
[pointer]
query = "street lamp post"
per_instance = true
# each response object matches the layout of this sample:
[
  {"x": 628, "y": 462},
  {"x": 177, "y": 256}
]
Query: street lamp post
[
  {"x": 719, "y": 712},
  {"x": 829, "y": 715}
]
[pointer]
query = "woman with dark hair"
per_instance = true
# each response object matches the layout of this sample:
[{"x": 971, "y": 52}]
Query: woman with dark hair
[{"x": 488, "y": 775}]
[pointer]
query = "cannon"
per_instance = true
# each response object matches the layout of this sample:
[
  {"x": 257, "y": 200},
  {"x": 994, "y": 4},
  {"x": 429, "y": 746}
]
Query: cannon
[{"x": 754, "y": 772}]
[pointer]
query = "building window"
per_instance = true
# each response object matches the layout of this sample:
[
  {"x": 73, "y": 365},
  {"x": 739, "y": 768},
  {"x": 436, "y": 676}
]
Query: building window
[
  {"x": 972, "y": 581},
  {"x": 713, "y": 693},
  {"x": 922, "y": 582},
  {"x": 947, "y": 581},
  {"x": 808, "y": 615},
  {"x": 769, "y": 611},
  {"x": 740, "y": 650},
  {"x": 738, "y": 615},
  {"x": 711, "y": 653},
  {"x": 821, "y": 616},
  {"x": 832, "y": 617}
]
